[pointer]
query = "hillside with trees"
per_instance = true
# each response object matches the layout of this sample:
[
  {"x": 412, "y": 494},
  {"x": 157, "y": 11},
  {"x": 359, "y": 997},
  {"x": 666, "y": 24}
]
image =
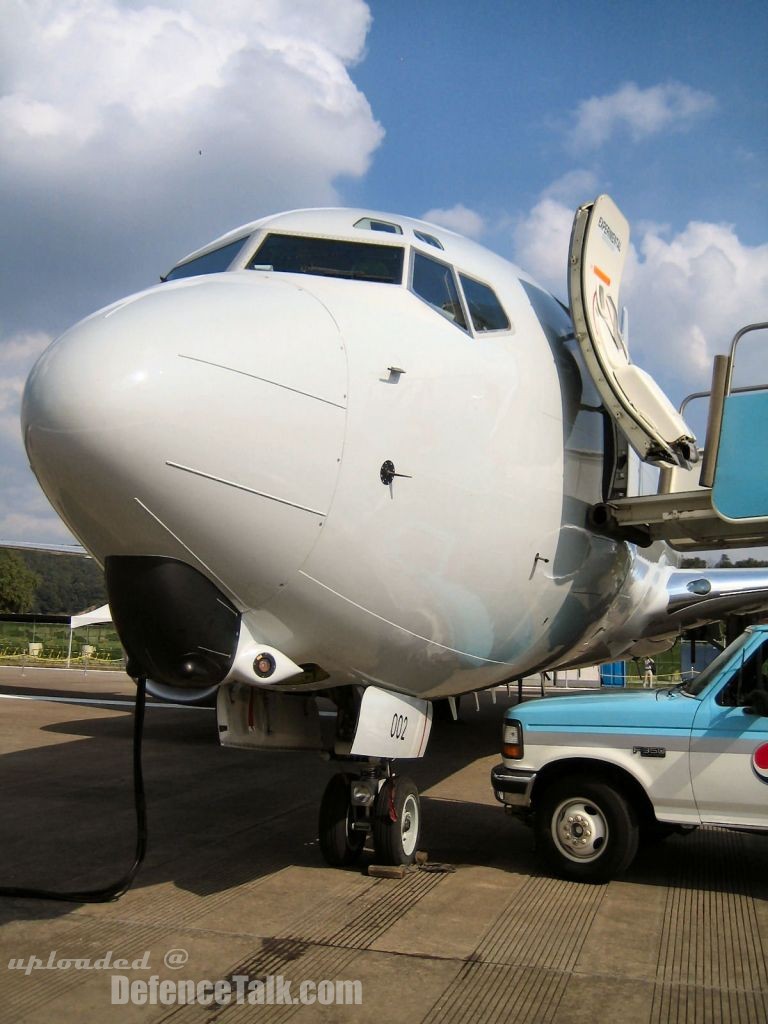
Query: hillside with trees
[
  {"x": 44, "y": 583},
  {"x": 18, "y": 584},
  {"x": 725, "y": 562}
]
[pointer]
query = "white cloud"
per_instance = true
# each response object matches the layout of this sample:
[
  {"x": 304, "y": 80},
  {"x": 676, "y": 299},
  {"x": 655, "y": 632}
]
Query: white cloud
[
  {"x": 687, "y": 293},
  {"x": 24, "y": 510},
  {"x": 133, "y": 131},
  {"x": 340, "y": 28},
  {"x": 84, "y": 62},
  {"x": 573, "y": 187},
  {"x": 458, "y": 218},
  {"x": 44, "y": 528},
  {"x": 23, "y": 348},
  {"x": 541, "y": 237},
  {"x": 17, "y": 354},
  {"x": 89, "y": 59},
  {"x": 10, "y": 397},
  {"x": 541, "y": 243},
  {"x": 671, "y": 106},
  {"x": 177, "y": 119}
]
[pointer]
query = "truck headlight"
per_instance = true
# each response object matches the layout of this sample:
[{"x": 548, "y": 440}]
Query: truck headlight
[{"x": 512, "y": 739}]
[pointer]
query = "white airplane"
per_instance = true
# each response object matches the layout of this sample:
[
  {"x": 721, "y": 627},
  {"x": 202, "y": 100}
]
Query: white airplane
[{"x": 356, "y": 455}]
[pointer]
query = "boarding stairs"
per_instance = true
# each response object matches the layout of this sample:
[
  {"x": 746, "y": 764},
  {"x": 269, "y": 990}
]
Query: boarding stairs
[{"x": 714, "y": 498}]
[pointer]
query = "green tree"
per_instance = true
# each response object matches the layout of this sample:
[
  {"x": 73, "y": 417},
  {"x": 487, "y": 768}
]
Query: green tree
[
  {"x": 18, "y": 584},
  {"x": 68, "y": 583},
  {"x": 693, "y": 563}
]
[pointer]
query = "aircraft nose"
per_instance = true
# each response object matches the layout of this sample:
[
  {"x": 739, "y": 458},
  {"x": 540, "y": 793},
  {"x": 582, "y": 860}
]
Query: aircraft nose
[{"x": 201, "y": 420}]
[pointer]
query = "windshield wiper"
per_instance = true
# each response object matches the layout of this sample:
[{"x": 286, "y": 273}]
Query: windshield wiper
[{"x": 677, "y": 688}]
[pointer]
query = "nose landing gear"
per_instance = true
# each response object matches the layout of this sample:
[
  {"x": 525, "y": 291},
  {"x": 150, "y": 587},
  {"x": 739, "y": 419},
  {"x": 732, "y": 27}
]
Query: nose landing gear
[
  {"x": 397, "y": 821},
  {"x": 340, "y": 842},
  {"x": 376, "y": 803}
]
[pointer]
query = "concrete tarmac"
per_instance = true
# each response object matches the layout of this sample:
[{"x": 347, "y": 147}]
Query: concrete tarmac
[{"x": 234, "y": 889}]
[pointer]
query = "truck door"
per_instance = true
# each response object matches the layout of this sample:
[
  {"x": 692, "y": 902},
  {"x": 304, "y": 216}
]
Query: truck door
[{"x": 729, "y": 743}]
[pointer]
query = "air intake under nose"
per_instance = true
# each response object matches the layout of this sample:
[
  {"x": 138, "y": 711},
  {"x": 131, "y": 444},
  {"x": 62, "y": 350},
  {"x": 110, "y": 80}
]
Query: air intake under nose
[{"x": 176, "y": 626}]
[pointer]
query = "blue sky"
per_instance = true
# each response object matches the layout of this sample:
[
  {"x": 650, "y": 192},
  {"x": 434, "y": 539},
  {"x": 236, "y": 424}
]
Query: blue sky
[
  {"x": 483, "y": 102},
  {"x": 133, "y": 132},
  {"x": 480, "y": 101}
]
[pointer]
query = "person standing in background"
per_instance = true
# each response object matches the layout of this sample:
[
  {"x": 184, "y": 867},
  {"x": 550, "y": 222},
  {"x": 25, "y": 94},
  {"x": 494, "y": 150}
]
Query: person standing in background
[{"x": 650, "y": 668}]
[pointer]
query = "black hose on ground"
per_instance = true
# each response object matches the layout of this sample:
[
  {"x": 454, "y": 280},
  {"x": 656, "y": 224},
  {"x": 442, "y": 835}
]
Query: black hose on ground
[{"x": 114, "y": 891}]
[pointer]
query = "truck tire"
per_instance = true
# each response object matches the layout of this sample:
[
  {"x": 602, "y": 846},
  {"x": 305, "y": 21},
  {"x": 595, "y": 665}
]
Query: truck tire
[{"x": 586, "y": 830}]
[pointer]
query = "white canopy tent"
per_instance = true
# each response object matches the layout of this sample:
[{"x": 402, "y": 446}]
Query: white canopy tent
[{"x": 102, "y": 614}]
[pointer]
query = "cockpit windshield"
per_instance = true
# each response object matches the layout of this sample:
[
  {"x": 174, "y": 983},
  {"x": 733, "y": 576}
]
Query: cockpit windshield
[
  {"x": 214, "y": 262},
  {"x": 328, "y": 257}
]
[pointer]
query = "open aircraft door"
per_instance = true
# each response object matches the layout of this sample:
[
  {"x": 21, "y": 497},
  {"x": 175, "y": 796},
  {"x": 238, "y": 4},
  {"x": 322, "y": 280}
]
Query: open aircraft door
[{"x": 598, "y": 251}]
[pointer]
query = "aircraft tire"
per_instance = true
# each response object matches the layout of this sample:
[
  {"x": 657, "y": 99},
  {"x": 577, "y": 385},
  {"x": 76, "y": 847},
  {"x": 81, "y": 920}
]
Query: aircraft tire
[
  {"x": 397, "y": 821},
  {"x": 339, "y": 845},
  {"x": 586, "y": 830}
]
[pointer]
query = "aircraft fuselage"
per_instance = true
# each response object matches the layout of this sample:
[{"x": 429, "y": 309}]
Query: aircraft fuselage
[{"x": 248, "y": 423}]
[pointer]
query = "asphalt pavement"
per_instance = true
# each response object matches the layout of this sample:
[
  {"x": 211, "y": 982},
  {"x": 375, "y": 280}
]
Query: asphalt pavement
[{"x": 234, "y": 890}]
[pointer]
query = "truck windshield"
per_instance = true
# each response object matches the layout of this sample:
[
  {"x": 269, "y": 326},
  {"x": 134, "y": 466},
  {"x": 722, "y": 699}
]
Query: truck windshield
[{"x": 695, "y": 686}]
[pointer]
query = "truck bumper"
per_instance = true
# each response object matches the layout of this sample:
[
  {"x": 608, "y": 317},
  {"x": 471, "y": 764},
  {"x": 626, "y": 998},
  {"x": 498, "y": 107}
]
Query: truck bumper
[{"x": 512, "y": 786}]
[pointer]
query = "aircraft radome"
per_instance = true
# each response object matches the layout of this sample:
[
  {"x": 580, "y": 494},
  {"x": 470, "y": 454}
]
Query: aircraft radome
[{"x": 353, "y": 454}]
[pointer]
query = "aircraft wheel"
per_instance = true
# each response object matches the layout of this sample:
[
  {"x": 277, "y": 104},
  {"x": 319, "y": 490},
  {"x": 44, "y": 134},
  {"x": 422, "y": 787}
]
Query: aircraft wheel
[
  {"x": 585, "y": 830},
  {"x": 397, "y": 821},
  {"x": 339, "y": 844}
]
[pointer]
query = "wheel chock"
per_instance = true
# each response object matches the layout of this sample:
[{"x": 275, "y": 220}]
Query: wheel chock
[{"x": 386, "y": 870}]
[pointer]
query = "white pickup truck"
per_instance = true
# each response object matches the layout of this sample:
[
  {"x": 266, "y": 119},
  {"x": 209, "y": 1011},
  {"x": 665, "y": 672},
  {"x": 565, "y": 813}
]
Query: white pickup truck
[{"x": 596, "y": 770}]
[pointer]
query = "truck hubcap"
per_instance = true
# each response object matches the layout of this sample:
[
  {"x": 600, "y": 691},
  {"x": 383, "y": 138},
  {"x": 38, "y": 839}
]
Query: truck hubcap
[{"x": 579, "y": 829}]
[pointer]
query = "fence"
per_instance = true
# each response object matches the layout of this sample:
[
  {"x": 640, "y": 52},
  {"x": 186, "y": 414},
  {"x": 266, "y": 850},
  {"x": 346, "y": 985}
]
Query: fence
[{"x": 55, "y": 645}]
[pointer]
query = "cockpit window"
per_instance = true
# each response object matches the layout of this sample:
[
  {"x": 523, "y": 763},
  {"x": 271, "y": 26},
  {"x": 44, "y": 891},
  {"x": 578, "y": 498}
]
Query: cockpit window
[
  {"x": 484, "y": 307},
  {"x": 369, "y": 224},
  {"x": 434, "y": 282},
  {"x": 327, "y": 257},
  {"x": 429, "y": 239},
  {"x": 214, "y": 262}
]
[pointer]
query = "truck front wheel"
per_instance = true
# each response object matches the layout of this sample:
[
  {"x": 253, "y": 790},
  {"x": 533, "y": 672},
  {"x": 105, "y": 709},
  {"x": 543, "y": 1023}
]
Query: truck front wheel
[{"x": 586, "y": 830}]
